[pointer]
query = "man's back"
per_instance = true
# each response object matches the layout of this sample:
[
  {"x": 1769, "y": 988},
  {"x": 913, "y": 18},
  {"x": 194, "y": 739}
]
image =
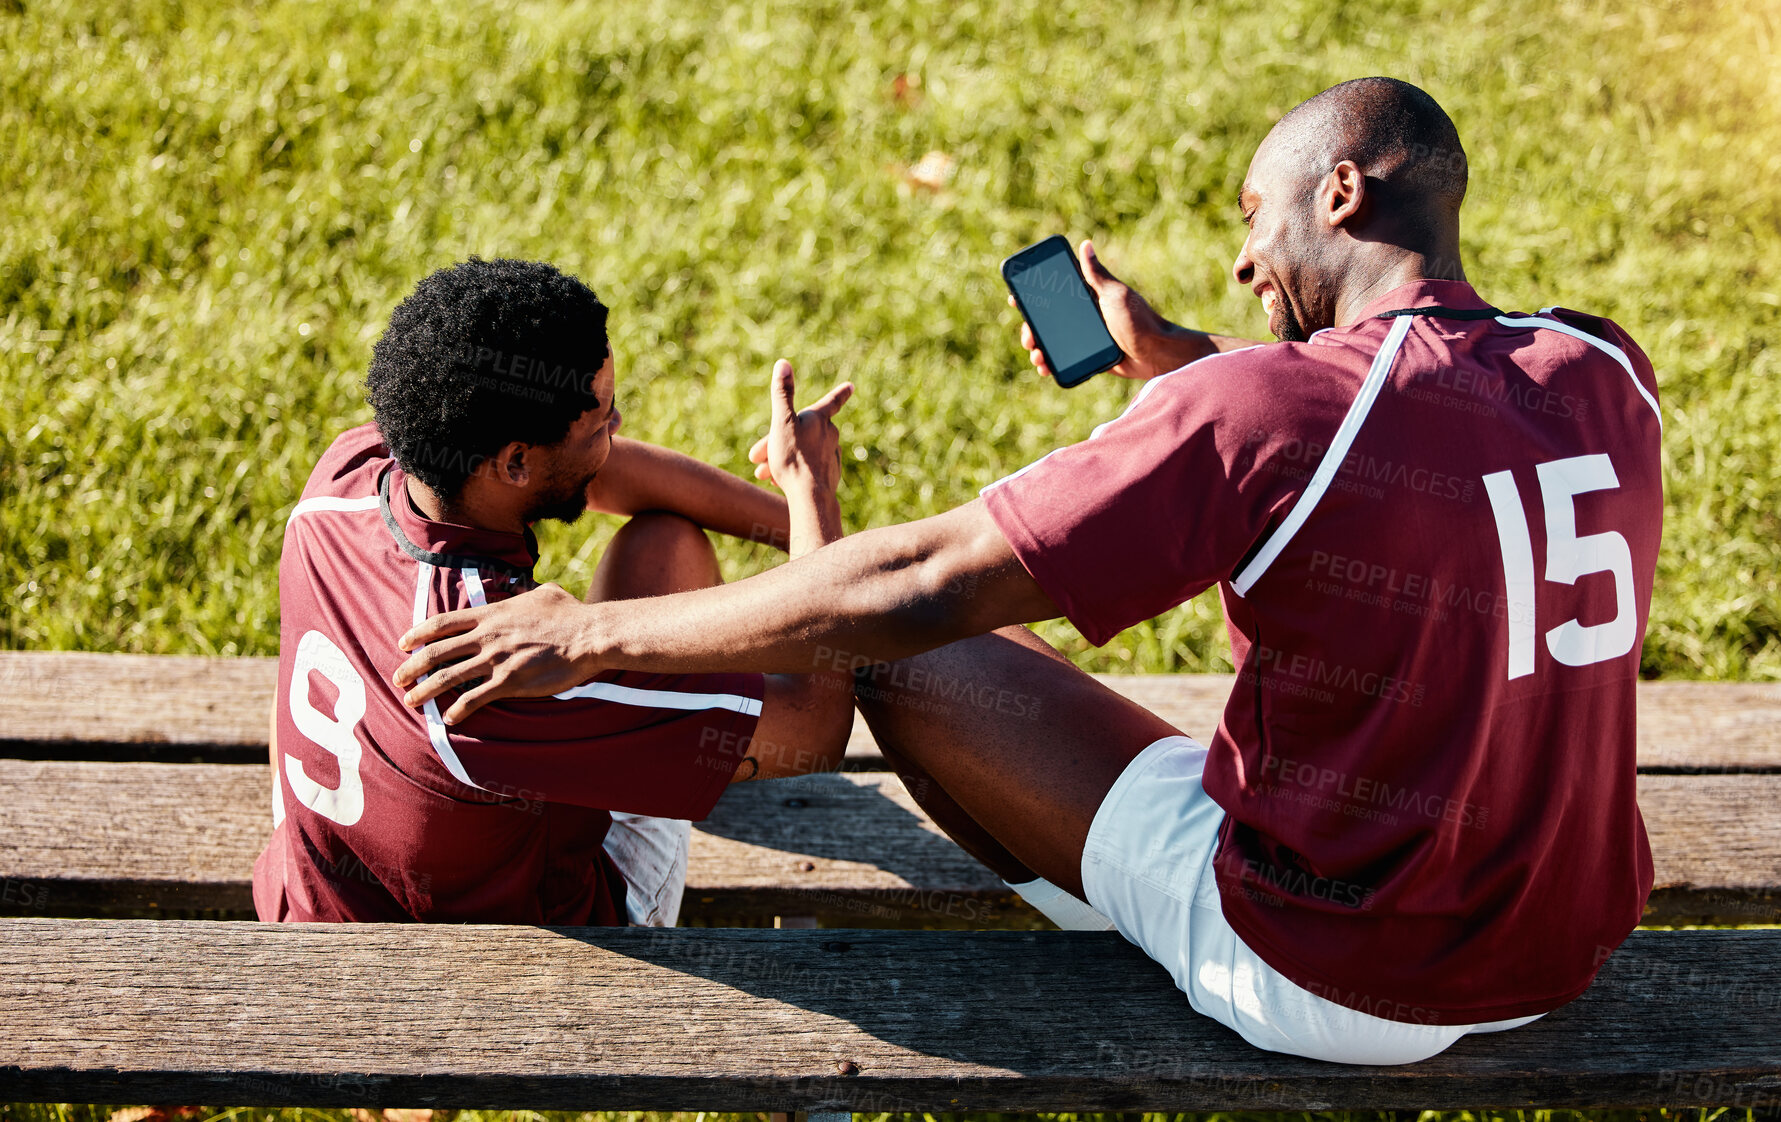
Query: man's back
[
  {"x": 1474, "y": 599},
  {"x": 383, "y": 813},
  {"x": 1436, "y": 536}
]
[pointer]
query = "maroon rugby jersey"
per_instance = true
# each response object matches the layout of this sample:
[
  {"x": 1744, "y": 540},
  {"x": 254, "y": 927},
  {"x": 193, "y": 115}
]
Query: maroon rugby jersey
[
  {"x": 1435, "y": 537},
  {"x": 380, "y": 811}
]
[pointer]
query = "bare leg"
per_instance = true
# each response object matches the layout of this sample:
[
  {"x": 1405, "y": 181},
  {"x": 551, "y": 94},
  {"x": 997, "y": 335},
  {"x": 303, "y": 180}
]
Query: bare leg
[
  {"x": 654, "y": 554},
  {"x": 951, "y": 817},
  {"x": 1014, "y": 739}
]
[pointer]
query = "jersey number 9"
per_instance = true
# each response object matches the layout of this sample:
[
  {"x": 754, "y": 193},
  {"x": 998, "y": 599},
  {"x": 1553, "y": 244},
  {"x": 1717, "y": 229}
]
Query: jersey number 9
[{"x": 345, "y": 803}]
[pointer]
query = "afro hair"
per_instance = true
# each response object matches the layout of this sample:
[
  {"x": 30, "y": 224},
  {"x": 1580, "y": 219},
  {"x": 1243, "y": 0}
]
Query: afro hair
[{"x": 480, "y": 355}]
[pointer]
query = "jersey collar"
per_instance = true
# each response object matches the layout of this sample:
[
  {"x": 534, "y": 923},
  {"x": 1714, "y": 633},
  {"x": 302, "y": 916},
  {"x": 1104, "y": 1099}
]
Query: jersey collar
[
  {"x": 447, "y": 544},
  {"x": 1457, "y": 295}
]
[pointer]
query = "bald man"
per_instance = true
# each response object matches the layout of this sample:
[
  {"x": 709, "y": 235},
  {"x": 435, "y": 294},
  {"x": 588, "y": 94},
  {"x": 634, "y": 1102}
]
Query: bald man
[{"x": 1433, "y": 526}]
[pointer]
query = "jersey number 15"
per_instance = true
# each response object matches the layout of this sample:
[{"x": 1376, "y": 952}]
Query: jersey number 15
[{"x": 1567, "y": 558}]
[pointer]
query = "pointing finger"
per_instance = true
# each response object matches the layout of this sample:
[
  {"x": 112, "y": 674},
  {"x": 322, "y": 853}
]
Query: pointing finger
[
  {"x": 757, "y": 454},
  {"x": 832, "y": 401}
]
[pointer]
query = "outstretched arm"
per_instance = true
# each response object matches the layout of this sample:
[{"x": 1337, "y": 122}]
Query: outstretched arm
[{"x": 877, "y": 596}]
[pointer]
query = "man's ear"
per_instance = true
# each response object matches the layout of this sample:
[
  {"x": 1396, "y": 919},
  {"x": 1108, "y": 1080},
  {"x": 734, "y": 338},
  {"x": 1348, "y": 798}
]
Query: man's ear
[
  {"x": 512, "y": 464},
  {"x": 1343, "y": 194}
]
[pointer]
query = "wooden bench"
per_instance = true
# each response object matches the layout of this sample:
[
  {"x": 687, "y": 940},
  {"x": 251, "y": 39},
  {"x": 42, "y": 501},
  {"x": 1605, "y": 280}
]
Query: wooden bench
[
  {"x": 192, "y": 709},
  {"x": 96, "y": 822},
  {"x": 739, "y": 1019},
  {"x": 146, "y": 839},
  {"x": 133, "y": 839}
]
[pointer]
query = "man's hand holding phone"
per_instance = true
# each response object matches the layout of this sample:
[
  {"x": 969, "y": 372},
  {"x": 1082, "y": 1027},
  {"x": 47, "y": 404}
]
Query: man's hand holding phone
[{"x": 1152, "y": 344}]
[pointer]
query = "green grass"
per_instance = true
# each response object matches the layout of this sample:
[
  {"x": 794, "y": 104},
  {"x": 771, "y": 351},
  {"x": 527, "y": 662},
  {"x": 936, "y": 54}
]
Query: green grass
[{"x": 208, "y": 211}]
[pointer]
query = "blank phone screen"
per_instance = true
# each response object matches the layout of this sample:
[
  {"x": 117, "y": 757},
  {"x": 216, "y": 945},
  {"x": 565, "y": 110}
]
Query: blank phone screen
[{"x": 1061, "y": 310}]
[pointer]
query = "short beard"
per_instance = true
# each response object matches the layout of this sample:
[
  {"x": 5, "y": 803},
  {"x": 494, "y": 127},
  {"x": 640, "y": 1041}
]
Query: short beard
[
  {"x": 565, "y": 506},
  {"x": 1291, "y": 330}
]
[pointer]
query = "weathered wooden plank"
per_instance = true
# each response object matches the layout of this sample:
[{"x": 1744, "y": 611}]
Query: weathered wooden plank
[
  {"x": 743, "y": 1019},
  {"x": 1693, "y": 727},
  {"x": 134, "y": 839},
  {"x": 102, "y": 839},
  {"x": 168, "y": 708},
  {"x": 853, "y": 849},
  {"x": 74, "y": 705},
  {"x": 1715, "y": 846}
]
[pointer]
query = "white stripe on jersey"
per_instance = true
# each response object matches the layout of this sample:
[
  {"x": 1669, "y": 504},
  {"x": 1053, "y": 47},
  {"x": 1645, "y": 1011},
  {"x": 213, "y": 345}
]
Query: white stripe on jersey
[
  {"x": 436, "y": 724},
  {"x": 1332, "y": 460},
  {"x": 663, "y": 699},
  {"x": 1602, "y": 345},
  {"x": 331, "y": 502}
]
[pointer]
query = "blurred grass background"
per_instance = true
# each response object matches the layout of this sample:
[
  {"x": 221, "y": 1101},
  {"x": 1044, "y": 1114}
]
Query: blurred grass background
[{"x": 207, "y": 212}]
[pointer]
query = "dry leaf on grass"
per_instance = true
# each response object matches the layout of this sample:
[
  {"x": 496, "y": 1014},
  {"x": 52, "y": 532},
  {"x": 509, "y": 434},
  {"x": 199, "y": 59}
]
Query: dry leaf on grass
[
  {"x": 931, "y": 172},
  {"x": 906, "y": 90}
]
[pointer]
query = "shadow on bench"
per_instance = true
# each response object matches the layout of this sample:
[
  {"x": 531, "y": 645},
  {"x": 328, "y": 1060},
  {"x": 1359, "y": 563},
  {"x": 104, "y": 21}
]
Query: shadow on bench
[{"x": 737, "y": 1019}]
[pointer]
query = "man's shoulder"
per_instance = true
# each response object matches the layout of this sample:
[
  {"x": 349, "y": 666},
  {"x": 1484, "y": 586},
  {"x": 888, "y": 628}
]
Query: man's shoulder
[
  {"x": 1271, "y": 384},
  {"x": 1598, "y": 327},
  {"x": 339, "y": 504},
  {"x": 1336, "y": 352},
  {"x": 348, "y": 468}
]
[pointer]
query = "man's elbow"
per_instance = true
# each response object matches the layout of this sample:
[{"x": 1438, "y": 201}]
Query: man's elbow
[{"x": 970, "y": 583}]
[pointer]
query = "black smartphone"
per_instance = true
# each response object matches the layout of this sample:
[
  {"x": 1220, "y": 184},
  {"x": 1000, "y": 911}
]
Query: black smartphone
[{"x": 1064, "y": 315}]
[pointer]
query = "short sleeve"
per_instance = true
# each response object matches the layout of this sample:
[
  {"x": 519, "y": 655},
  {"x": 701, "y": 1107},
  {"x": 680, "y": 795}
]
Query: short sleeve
[
  {"x": 1167, "y": 499},
  {"x": 664, "y": 745}
]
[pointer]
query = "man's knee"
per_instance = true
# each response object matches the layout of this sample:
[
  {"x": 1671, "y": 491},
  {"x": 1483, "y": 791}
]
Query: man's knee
[
  {"x": 663, "y": 532},
  {"x": 656, "y": 553}
]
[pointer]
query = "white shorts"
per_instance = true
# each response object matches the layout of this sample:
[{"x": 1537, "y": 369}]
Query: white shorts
[
  {"x": 651, "y": 854},
  {"x": 1148, "y": 868}
]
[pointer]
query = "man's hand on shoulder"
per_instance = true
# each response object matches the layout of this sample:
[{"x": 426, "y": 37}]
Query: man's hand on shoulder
[{"x": 531, "y": 645}]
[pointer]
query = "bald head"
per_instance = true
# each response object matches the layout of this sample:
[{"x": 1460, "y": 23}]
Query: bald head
[
  {"x": 1395, "y": 133},
  {"x": 1353, "y": 193}
]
